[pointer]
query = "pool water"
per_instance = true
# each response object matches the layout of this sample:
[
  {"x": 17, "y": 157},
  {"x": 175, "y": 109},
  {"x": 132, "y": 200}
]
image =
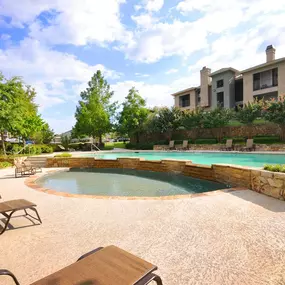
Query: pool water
[
  {"x": 245, "y": 159},
  {"x": 125, "y": 182}
]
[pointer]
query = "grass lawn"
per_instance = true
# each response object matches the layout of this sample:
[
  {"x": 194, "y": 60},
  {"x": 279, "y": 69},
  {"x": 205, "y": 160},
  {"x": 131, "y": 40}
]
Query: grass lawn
[{"x": 116, "y": 144}]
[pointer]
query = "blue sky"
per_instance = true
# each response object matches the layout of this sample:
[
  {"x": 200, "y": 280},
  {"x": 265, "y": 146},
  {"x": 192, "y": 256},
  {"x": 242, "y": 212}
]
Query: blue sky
[{"x": 158, "y": 46}]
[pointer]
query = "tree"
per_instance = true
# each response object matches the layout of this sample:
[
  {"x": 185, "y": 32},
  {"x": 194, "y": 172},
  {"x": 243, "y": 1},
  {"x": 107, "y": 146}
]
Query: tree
[
  {"x": 44, "y": 135},
  {"x": 217, "y": 119},
  {"x": 248, "y": 113},
  {"x": 94, "y": 111},
  {"x": 166, "y": 120},
  {"x": 12, "y": 106},
  {"x": 65, "y": 140},
  {"x": 274, "y": 111},
  {"x": 134, "y": 114},
  {"x": 193, "y": 120}
]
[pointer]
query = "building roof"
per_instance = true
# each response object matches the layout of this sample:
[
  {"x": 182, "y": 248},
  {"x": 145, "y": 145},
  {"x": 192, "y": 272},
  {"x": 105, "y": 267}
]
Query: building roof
[
  {"x": 264, "y": 64},
  {"x": 224, "y": 70},
  {"x": 185, "y": 90}
]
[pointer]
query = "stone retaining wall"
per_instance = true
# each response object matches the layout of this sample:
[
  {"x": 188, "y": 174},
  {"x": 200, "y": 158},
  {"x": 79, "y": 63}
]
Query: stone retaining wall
[
  {"x": 259, "y": 147},
  {"x": 262, "y": 181}
]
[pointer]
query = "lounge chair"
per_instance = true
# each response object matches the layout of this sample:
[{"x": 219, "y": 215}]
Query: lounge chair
[
  {"x": 61, "y": 147},
  {"x": 249, "y": 145},
  {"x": 23, "y": 170},
  {"x": 29, "y": 165},
  {"x": 8, "y": 208},
  {"x": 171, "y": 145},
  {"x": 228, "y": 146},
  {"x": 102, "y": 266},
  {"x": 185, "y": 145}
]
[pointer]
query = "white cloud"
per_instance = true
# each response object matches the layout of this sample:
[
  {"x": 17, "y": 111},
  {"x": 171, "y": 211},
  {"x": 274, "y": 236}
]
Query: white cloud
[
  {"x": 141, "y": 74},
  {"x": 154, "y": 5},
  {"x": 144, "y": 20},
  {"x": 5, "y": 37},
  {"x": 48, "y": 71},
  {"x": 69, "y": 21},
  {"x": 171, "y": 71}
]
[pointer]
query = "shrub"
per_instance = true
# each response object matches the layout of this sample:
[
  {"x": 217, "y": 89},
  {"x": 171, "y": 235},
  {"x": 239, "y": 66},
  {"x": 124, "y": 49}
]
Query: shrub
[
  {"x": 108, "y": 147},
  {"x": 5, "y": 164},
  {"x": 65, "y": 154},
  {"x": 162, "y": 142},
  {"x": 236, "y": 140},
  {"x": 142, "y": 146},
  {"x": 275, "y": 168},
  {"x": 206, "y": 141},
  {"x": 266, "y": 140},
  {"x": 46, "y": 148}
]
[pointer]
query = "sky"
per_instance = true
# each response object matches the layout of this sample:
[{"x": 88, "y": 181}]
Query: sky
[{"x": 157, "y": 46}]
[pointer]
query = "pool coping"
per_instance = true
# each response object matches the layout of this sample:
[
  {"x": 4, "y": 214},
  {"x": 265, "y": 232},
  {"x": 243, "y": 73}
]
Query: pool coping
[{"x": 31, "y": 183}]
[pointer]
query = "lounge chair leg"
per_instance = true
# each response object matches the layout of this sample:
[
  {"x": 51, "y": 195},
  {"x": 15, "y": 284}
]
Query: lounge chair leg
[
  {"x": 148, "y": 278},
  {"x": 90, "y": 252},
  {"x": 38, "y": 216},
  {"x": 8, "y": 273},
  {"x": 7, "y": 222}
]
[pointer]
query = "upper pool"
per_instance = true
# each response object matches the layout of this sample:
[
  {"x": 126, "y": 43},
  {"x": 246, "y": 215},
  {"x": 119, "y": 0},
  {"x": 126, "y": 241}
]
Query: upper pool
[{"x": 245, "y": 159}]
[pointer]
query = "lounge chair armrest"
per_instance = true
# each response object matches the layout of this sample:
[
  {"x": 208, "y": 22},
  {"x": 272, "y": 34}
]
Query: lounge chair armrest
[
  {"x": 8, "y": 273},
  {"x": 89, "y": 253}
]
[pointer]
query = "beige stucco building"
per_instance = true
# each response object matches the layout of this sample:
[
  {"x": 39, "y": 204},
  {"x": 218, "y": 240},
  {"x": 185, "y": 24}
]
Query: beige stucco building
[{"x": 229, "y": 87}]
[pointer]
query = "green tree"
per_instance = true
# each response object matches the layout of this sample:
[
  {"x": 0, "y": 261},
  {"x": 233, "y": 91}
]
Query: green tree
[
  {"x": 44, "y": 135},
  {"x": 274, "y": 111},
  {"x": 193, "y": 120},
  {"x": 65, "y": 140},
  {"x": 248, "y": 113},
  {"x": 94, "y": 112},
  {"x": 133, "y": 116},
  {"x": 166, "y": 120},
  {"x": 216, "y": 119},
  {"x": 12, "y": 106}
]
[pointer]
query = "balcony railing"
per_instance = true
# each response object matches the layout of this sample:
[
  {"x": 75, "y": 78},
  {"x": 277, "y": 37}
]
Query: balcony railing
[{"x": 260, "y": 86}]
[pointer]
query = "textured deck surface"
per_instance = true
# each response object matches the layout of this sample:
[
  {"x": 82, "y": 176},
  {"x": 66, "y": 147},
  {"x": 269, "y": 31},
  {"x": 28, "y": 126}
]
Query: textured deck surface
[{"x": 230, "y": 238}]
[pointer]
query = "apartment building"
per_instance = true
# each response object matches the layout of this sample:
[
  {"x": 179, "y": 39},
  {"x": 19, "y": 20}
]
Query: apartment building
[{"x": 229, "y": 87}]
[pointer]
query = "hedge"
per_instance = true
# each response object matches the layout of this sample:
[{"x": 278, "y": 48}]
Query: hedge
[
  {"x": 266, "y": 140},
  {"x": 31, "y": 149},
  {"x": 236, "y": 140},
  {"x": 206, "y": 141},
  {"x": 142, "y": 146}
]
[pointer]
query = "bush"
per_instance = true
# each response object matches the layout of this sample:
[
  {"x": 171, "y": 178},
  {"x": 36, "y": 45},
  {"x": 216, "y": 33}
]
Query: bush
[
  {"x": 108, "y": 147},
  {"x": 65, "y": 154},
  {"x": 142, "y": 146},
  {"x": 162, "y": 142},
  {"x": 46, "y": 148},
  {"x": 266, "y": 140},
  {"x": 206, "y": 141},
  {"x": 275, "y": 168},
  {"x": 5, "y": 164},
  {"x": 236, "y": 140}
]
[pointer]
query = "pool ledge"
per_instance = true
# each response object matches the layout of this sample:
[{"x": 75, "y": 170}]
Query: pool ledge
[{"x": 31, "y": 182}]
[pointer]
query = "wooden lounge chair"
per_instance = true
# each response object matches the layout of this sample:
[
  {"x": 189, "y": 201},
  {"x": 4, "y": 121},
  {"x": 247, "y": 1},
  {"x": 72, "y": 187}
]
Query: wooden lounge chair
[
  {"x": 102, "y": 266},
  {"x": 185, "y": 145},
  {"x": 29, "y": 165},
  {"x": 171, "y": 145},
  {"x": 8, "y": 208},
  {"x": 23, "y": 170},
  {"x": 229, "y": 145},
  {"x": 249, "y": 145}
]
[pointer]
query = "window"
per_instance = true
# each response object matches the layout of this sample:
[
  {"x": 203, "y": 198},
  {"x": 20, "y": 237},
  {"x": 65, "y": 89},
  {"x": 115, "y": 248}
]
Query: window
[
  {"x": 220, "y": 99},
  {"x": 184, "y": 101},
  {"x": 265, "y": 79},
  {"x": 220, "y": 83}
]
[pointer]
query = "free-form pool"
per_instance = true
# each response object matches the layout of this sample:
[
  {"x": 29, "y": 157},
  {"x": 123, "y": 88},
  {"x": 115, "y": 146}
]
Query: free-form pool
[
  {"x": 125, "y": 182},
  {"x": 245, "y": 159}
]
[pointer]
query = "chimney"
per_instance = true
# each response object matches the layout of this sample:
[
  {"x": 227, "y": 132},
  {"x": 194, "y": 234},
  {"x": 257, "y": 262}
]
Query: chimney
[
  {"x": 205, "y": 81},
  {"x": 270, "y": 53}
]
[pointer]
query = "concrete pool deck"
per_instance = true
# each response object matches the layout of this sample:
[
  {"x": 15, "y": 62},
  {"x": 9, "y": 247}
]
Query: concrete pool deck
[{"x": 230, "y": 238}]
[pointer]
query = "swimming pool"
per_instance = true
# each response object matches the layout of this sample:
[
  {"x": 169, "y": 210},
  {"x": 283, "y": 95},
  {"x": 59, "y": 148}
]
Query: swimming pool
[
  {"x": 125, "y": 182},
  {"x": 244, "y": 159}
]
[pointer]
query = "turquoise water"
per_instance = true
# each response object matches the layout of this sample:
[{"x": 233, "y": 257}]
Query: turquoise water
[
  {"x": 125, "y": 182},
  {"x": 245, "y": 159}
]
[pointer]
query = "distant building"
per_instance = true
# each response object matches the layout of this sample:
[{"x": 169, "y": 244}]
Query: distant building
[{"x": 229, "y": 87}]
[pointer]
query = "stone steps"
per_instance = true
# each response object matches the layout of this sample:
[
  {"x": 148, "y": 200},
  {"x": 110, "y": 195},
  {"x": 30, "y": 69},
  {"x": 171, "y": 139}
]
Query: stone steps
[{"x": 37, "y": 161}]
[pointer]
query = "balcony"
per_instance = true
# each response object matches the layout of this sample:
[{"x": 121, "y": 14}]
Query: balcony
[{"x": 265, "y": 80}]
